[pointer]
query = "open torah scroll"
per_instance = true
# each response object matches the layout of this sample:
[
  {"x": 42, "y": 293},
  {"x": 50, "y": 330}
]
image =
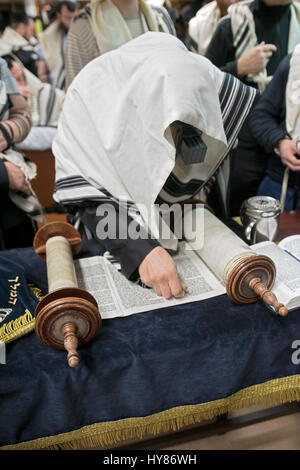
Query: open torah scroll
[{"x": 224, "y": 264}]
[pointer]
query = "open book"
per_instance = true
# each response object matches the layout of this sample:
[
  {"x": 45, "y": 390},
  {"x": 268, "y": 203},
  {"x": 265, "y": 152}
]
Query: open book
[
  {"x": 286, "y": 256},
  {"x": 118, "y": 297}
]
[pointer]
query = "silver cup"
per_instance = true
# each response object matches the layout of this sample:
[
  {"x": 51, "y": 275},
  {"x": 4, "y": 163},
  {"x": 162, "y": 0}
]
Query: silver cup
[{"x": 260, "y": 218}]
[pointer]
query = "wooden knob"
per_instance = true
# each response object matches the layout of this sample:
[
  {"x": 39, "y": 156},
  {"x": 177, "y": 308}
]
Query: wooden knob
[
  {"x": 67, "y": 318},
  {"x": 71, "y": 343},
  {"x": 54, "y": 229},
  {"x": 267, "y": 296},
  {"x": 237, "y": 283}
]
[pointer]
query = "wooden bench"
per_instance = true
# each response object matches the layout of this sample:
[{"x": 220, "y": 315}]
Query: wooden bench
[{"x": 43, "y": 184}]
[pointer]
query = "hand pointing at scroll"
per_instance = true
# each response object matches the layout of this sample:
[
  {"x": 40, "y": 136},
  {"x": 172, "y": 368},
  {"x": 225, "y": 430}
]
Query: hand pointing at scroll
[{"x": 159, "y": 271}]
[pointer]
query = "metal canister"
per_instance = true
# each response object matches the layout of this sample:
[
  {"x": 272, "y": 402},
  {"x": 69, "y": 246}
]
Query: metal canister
[{"x": 260, "y": 218}]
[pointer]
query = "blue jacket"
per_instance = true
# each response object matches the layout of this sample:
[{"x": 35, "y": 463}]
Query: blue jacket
[{"x": 267, "y": 120}]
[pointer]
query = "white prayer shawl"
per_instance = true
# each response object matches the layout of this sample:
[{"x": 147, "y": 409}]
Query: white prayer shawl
[
  {"x": 5, "y": 49},
  {"x": 244, "y": 35},
  {"x": 29, "y": 204},
  {"x": 293, "y": 96},
  {"x": 203, "y": 25},
  {"x": 110, "y": 28},
  {"x": 52, "y": 47},
  {"x": 46, "y": 103},
  {"x": 16, "y": 41},
  {"x": 114, "y": 130}
]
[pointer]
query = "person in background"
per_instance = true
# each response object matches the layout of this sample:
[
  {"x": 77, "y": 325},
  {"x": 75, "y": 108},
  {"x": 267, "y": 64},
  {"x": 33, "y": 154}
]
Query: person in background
[
  {"x": 190, "y": 10},
  {"x": 16, "y": 228},
  {"x": 250, "y": 43},
  {"x": 180, "y": 24},
  {"x": 53, "y": 41},
  {"x": 104, "y": 25},
  {"x": 253, "y": 39},
  {"x": 275, "y": 123},
  {"x": 45, "y": 103},
  {"x": 203, "y": 25},
  {"x": 18, "y": 35}
]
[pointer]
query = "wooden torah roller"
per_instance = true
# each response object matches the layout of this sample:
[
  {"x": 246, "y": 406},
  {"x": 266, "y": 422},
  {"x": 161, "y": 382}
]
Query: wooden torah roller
[
  {"x": 251, "y": 279},
  {"x": 248, "y": 276},
  {"x": 67, "y": 316}
]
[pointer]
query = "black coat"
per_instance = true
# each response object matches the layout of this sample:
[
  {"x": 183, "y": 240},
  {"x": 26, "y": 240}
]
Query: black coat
[
  {"x": 16, "y": 229},
  {"x": 267, "y": 120}
]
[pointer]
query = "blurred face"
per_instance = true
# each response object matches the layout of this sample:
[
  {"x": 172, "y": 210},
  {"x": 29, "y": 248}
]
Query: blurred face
[
  {"x": 65, "y": 17},
  {"x": 29, "y": 30},
  {"x": 26, "y": 30}
]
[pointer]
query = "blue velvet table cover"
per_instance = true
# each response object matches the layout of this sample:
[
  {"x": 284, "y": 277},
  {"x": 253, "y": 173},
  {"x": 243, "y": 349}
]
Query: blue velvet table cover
[{"x": 146, "y": 373}]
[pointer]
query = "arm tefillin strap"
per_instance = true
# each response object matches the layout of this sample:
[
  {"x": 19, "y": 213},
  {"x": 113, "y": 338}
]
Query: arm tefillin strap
[
  {"x": 188, "y": 142},
  {"x": 6, "y": 135}
]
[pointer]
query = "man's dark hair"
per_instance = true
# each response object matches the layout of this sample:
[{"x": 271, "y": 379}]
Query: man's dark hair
[
  {"x": 71, "y": 6},
  {"x": 19, "y": 17},
  {"x": 3, "y": 22},
  {"x": 9, "y": 60}
]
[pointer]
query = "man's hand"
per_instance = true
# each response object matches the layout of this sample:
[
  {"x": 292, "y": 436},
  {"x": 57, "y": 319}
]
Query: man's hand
[
  {"x": 159, "y": 271},
  {"x": 255, "y": 60},
  {"x": 16, "y": 178},
  {"x": 25, "y": 91},
  {"x": 288, "y": 154}
]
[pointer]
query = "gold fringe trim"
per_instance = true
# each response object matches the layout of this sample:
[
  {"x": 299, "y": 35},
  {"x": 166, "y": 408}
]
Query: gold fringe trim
[
  {"x": 103, "y": 435},
  {"x": 36, "y": 290},
  {"x": 22, "y": 325},
  {"x": 16, "y": 328}
]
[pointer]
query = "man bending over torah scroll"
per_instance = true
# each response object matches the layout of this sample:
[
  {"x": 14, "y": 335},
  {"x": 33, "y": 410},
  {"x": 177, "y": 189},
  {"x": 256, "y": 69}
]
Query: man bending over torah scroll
[{"x": 123, "y": 146}]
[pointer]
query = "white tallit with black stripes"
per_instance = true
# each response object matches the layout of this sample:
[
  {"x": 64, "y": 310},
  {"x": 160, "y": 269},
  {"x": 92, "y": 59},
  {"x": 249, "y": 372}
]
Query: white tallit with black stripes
[
  {"x": 110, "y": 29},
  {"x": 293, "y": 96},
  {"x": 51, "y": 42},
  {"x": 244, "y": 35},
  {"x": 114, "y": 139}
]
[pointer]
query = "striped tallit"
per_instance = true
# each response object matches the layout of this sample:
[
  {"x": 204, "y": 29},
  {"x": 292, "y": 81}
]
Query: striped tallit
[
  {"x": 203, "y": 25},
  {"x": 28, "y": 204},
  {"x": 126, "y": 153},
  {"x": 51, "y": 42},
  {"x": 293, "y": 96},
  {"x": 46, "y": 102},
  {"x": 83, "y": 47}
]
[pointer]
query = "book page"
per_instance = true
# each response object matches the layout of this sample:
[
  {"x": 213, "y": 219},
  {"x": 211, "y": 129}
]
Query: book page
[
  {"x": 291, "y": 245},
  {"x": 287, "y": 282},
  {"x": 92, "y": 276},
  {"x": 117, "y": 296}
]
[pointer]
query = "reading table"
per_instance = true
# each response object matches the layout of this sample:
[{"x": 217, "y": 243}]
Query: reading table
[{"x": 146, "y": 374}]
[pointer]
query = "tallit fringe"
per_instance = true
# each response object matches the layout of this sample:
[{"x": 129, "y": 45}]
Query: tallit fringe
[
  {"x": 103, "y": 435},
  {"x": 22, "y": 325},
  {"x": 16, "y": 328}
]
